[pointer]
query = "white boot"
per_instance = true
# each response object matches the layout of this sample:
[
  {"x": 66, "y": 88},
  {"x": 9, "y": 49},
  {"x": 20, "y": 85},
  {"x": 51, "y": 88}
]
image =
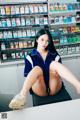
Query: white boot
[{"x": 18, "y": 102}]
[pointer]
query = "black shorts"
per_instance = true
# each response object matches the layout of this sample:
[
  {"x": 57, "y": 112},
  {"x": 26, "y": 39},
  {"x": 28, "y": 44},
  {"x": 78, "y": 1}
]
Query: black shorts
[{"x": 62, "y": 95}]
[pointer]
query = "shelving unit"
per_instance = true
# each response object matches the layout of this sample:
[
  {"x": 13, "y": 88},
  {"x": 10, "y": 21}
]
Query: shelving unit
[
  {"x": 64, "y": 26},
  {"x": 19, "y": 23}
]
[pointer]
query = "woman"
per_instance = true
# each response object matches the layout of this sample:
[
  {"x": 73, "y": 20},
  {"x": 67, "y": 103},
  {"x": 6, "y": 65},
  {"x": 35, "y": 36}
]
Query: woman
[{"x": 43, "y": 70}]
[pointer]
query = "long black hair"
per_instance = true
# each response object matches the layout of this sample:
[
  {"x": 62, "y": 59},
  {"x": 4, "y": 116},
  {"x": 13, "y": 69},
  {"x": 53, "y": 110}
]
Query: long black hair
[{"x": 43, "y": 31}]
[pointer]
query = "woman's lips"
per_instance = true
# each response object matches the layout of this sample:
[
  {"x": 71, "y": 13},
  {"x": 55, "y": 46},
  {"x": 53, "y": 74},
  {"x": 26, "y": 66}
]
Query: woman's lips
[{"x": 44, "y": 46}]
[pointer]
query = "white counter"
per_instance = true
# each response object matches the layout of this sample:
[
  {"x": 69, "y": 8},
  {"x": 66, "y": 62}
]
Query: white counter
[
  {"x": 69, "y": 110},
  {"x": 11, "y": 63}
]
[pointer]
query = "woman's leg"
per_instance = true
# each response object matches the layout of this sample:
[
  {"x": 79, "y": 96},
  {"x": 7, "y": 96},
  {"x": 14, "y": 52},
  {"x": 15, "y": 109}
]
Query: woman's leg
[
  {"x": 55, "y": 83},
  {"x": 39, "y": 87},
  {"x": 35, "y": 81},
  {"x": 66, "y": 74},
  {"x": 57, "y": 88}
]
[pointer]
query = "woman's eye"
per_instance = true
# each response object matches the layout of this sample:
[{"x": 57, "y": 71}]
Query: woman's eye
[
  {"x": 42, "y": 40},
  {"x": 48, "y": 42}
]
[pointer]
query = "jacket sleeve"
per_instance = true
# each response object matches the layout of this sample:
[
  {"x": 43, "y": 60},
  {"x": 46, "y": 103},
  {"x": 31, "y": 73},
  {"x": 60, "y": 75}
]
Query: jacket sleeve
[
  {"x": 27, "y": 67},
  {"x": 58, "y": 58}
]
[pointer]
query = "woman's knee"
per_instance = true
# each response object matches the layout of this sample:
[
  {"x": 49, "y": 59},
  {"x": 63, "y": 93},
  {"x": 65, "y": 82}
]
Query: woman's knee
[
  {"x": 37, "y": 70},
  {"x": 52, "y": 68},
  {"x": 52, "y": 65}
]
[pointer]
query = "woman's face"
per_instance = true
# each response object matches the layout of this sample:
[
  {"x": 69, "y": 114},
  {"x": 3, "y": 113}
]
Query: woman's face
[{"x": 42, "y": 42}]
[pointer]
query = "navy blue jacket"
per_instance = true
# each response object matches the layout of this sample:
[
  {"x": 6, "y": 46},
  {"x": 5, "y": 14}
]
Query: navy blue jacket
[{"x": 35, "y": 59}]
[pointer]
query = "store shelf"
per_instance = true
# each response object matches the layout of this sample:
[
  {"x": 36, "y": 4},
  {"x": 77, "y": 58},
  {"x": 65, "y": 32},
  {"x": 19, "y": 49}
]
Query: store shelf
[
  {"x": 64, "y": 24},
  {"x": 56, "y": 13},
  {"x": 21, "y": 27},
  {"x": 16, "y": 39},
  {"x": 23, "y": 15},
  {"x": 70, "y": 34},
  {"x": 68, "y": 44},
  {"x": 11, "y": 62},
  {"x": 70, "y": 56},
  {"x": 9, "y": 50},
  {"x": 59, "y": 34},
  {"x": 64, "y": 27},
  {"x": 23, "y": 3}
]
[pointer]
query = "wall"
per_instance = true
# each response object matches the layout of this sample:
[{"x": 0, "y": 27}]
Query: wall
[
  {"x": 11, "y": 80},
  {"x": 74, "y": 66}
]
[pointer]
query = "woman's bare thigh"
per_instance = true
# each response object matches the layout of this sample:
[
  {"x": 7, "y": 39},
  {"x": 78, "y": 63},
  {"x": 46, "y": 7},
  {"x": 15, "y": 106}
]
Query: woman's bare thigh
[
  {"x": 55, "y": 82},
  {"x": 39, "y": 87}
]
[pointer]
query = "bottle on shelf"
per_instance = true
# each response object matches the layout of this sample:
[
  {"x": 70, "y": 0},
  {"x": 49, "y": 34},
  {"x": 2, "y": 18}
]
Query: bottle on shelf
[
  {"x": 13, "y": 56},
  {"x": 22, "y": 21},
  {"x": 4, "y": 23},
  {"x": 31, "y": 9},
  {"x": 2, "y": 9},
  {"x": 9, "y": 34},
  {"x": 15, "y": 34},
  {"x": 27, "y": 21},
  {"x": 3, "y": 47},
  {"x": 17, "y": 9},
  {"x": 12, "y": 45},
  {"x": 4, "y": 56},
  {"x": 40, "y": 9},
  {"x": 8, "y": 22},
  {"x": 27, "y": 9},
  {"x": 13, "y": 20},
  {"x": 18, "y": 22},
  {"x": 45, "y": 10},
  {"x": 24, "y": 34},
  {"x": 19, "y": 33},
  {"x": 25, "y": 44},
  {"x": 22, "y": 9},
  {"x": 8, "y": 10},
  {"x": 1, "y": 35},
  {"x": 13, "y": 10},
  {"x": 36, "y": 10}
]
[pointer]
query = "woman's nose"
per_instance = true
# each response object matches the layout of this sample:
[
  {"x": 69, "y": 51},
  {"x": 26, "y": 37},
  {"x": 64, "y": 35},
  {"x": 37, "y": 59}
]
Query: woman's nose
[{"x": 45, "y": 42}]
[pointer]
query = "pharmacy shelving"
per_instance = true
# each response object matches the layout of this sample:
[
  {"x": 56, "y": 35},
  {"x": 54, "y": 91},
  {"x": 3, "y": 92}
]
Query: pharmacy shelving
[
  {"x": 19, "y": 23},
  {"x": 64, "y": 20}
]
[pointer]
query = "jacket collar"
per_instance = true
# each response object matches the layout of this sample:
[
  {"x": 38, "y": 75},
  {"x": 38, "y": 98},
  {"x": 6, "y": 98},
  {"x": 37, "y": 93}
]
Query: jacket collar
[{"x": 35, "y": 52}]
